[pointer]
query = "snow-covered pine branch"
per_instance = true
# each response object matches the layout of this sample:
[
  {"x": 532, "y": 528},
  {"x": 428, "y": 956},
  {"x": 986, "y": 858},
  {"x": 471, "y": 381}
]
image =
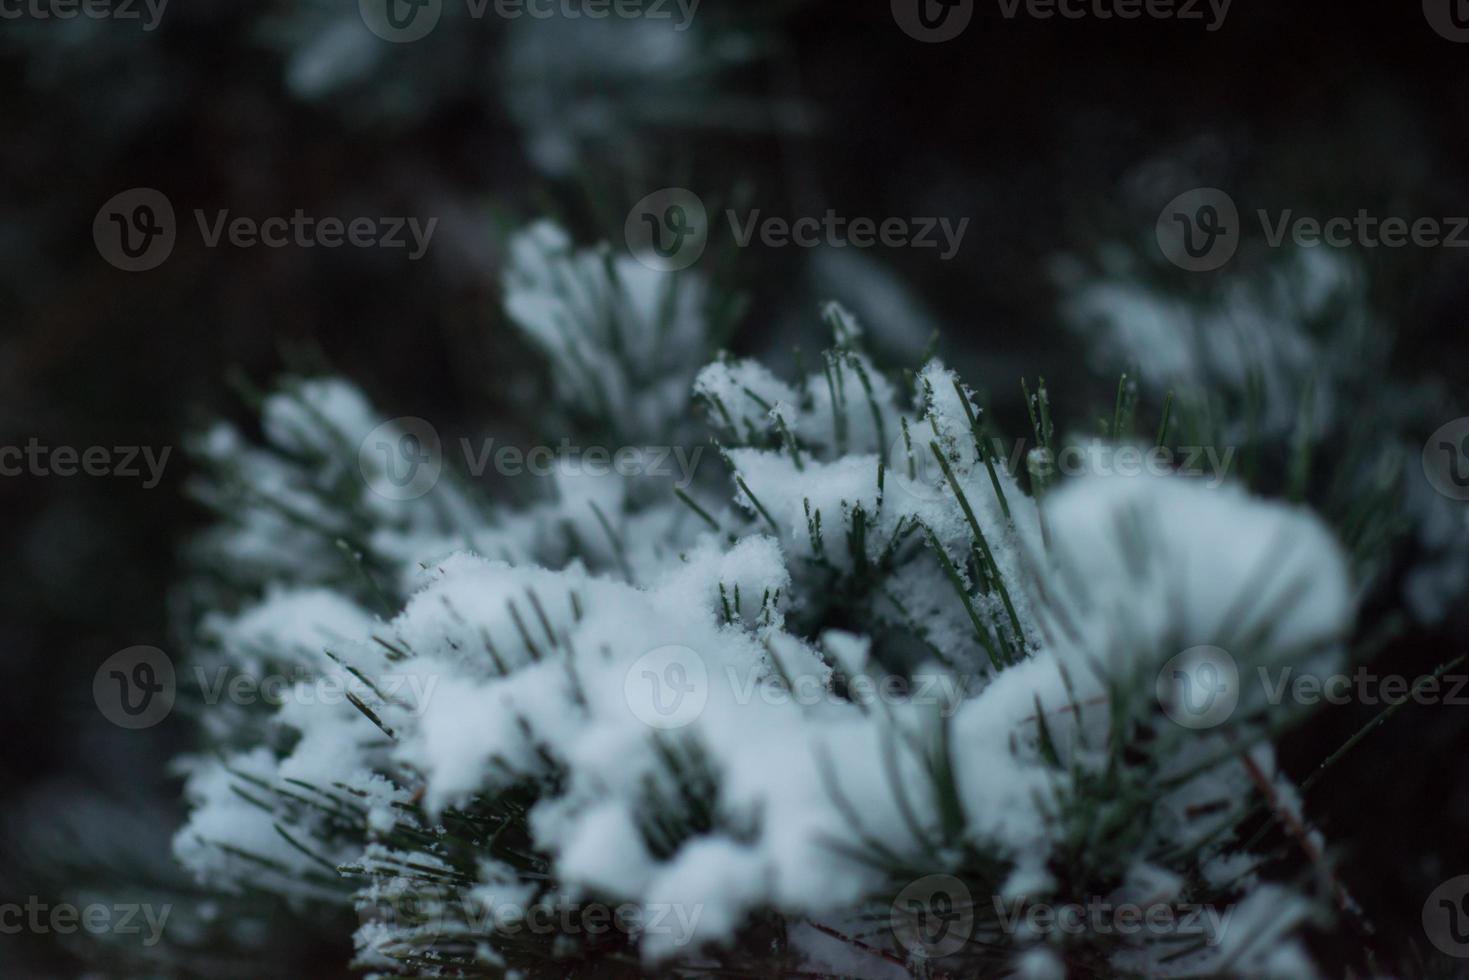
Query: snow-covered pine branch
[{"x": 860, "y": 659}]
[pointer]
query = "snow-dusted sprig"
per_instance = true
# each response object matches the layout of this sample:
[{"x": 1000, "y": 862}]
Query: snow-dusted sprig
[
  {"x": 623, "y": 340},
  {"x": 672, "y": 704},
  {"x": 1275, "y": 360}
]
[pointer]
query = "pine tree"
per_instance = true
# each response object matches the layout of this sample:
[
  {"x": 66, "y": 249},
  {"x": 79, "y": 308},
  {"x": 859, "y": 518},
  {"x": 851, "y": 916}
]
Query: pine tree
[{"x": 869, "y": 688}]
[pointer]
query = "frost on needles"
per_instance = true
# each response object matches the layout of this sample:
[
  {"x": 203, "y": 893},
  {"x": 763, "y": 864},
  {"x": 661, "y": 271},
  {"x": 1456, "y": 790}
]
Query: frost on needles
[{"x": 890, "y": 660}]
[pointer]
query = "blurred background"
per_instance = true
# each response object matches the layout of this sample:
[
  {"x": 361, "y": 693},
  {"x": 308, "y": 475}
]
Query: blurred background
[{"x": 1060, "y": 141}]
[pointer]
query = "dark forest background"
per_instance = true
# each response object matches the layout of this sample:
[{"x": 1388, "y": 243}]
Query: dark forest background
[{"x": 1040, "y": 132}]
